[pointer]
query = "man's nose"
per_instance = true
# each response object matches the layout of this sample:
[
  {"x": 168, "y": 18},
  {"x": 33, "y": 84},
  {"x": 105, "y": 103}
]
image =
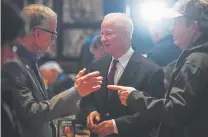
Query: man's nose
[{"x": 103, "y": 39}]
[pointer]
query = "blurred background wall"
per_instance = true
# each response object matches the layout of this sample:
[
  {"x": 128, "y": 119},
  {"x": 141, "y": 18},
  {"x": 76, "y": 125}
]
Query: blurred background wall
[{"x": 79, "y": 21}]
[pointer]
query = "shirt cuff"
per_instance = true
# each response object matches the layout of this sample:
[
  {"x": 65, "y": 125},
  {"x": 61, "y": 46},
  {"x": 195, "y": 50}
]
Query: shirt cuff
[{"x": 115, "y": 129}]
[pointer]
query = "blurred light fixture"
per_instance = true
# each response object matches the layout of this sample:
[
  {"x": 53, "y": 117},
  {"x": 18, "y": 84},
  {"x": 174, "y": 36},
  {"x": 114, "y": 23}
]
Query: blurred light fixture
[{"x": 151, "y": 12}]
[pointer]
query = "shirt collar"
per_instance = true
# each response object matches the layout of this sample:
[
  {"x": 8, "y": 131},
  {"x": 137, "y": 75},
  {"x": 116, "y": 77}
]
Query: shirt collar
[
  {"x": 124, "y": 59},
  {"x": 22, "y": 51},
  {"x": 61, "y": 76}
]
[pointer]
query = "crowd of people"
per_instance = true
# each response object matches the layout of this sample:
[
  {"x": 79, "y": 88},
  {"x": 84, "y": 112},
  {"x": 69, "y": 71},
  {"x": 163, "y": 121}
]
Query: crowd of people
[{"x": 121, "y": 93}]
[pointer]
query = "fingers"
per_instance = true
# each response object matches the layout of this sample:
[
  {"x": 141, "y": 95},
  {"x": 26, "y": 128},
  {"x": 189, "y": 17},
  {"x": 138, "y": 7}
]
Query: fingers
[
  {"x": 119, "y": 92},
  {"x": 81, "y": 73},
  {"x": 97, "y": 118},
  {"x": 86, "y": 88},
  {"x": 93, "y": 82},
  {"x": 123, "y": 93},
  {"x": 96, "y": 88},
  {"x": 123, "y": 97},
  {"x": 98, "y": 128},
  {"x": 96, "y": 79},
  {"x": 115, "y": 87},
  {"x": 90, "y": 75},
  {"x": 90, "y": 122},
  {"x": 93, "y": 87},
  {"x": 92, "y": 119}
]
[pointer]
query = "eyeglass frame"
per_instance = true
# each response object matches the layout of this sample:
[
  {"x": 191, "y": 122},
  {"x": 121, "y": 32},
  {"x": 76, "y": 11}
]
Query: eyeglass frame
[{"x": 54, "y": 33}]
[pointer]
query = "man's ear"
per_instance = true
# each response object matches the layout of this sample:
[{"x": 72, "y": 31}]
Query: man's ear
[
  {"x": 126, "y": 35},
  {"x": 36, "y": 33},
  {"x": 54, "y": 72}
]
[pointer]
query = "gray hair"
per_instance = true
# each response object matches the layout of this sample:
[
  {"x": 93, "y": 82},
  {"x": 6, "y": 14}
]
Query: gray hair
[
  {"x": 123, "y": 19},
  {"x": 51, "y": 65},
  {"x": 37, "y": 15},
  {"x": 96, "y": 44}
]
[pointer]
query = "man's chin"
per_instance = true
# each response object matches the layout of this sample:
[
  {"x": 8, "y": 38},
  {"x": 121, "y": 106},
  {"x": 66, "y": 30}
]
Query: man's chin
[
  {"x": 180, "y": 46},
  {"x": 176, "y": 43},
  {"x": 107, "y": 51}
]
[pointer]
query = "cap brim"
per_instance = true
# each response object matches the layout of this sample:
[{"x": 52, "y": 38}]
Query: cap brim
[{"x": 171, "y": 13}]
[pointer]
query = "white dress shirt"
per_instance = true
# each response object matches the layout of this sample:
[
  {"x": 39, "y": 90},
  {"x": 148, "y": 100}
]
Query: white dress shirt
[{"x": 121, "y": 65}]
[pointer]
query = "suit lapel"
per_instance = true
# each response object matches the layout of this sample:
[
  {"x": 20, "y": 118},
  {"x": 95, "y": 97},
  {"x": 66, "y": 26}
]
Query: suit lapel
[
  {"x": 104, "y": 67},
  {"x": 126, "y": 78},
  {"x": 131, "y": 68},
  {"x": 40, "y": 79},
  {"x": 33, "y": 77},
  {"x": 27, "y": 63}
]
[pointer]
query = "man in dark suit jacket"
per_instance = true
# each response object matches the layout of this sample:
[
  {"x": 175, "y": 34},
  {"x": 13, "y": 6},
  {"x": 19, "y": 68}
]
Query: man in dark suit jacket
[
  {"x": 102, "y": 109},
  {"x": 23, "y": 87}
]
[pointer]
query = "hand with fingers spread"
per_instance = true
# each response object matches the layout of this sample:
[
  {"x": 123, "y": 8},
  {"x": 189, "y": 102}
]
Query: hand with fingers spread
[
  {"x": 86, "y": 84},
  {"x": 123, "y": 92},
  {"x": 92, "y": 119},
  {"x": 104, "y": 128}
]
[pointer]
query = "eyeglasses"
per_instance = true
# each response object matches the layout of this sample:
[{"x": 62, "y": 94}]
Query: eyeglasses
[{"x": 54, "y": 33}]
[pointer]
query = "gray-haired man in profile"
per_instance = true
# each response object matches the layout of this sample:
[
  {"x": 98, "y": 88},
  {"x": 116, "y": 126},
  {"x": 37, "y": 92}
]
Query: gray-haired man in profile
[{"x": 21, "y": 79}]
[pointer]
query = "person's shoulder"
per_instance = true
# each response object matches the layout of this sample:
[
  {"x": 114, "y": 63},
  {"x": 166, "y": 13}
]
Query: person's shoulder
[
  {"x": 13, "y": 66},
  {"x": 101, "y": 59},
  {"x": 13, "y": 73},
  {"x": 147, "y": 63},
  {"x": 198, "y": 59}
]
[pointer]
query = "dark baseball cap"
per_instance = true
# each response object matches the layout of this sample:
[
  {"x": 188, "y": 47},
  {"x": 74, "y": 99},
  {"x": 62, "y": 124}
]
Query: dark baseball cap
[{"x": 196, "y": 10}]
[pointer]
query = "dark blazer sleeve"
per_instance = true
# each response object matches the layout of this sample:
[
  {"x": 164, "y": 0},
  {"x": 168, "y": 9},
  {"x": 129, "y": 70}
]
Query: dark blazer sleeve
[
  {"x": 181, "y": 106},
  {"x": 154, "y": 87},
  {"x": 27, "y": 106}
]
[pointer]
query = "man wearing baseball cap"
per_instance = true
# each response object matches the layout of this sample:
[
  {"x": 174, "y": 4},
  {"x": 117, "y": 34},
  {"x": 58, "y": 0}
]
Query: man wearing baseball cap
[{"x": 186, "y": 104}]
